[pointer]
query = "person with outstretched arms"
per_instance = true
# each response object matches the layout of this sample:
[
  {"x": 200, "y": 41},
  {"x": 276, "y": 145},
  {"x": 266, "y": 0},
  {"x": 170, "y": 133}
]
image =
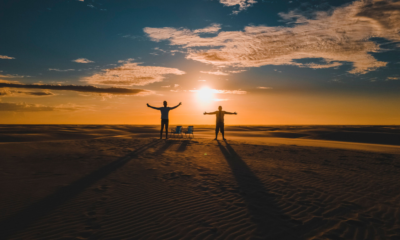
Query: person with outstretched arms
[
  {"x": 164, "y": 117},
  {"x": 219, "y": 126}
]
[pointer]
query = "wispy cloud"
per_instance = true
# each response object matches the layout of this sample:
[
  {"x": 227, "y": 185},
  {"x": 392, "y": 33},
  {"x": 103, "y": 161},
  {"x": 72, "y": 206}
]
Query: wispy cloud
[
  {"x": 78, "y": 88},
  {"x": 61, "y": 70},
  {"x": 243, "y": 4},
  {"x": 12, "y": 76},
  {"x": 335, "y": 37},
  {"x": 6, "y": 57},
  {"x": 6, "y": 92},
  {"x": 213, "y": 28},
  {"x": 82, "y": 60},
  {"x": 217, "y": 91},
  {"x": 264, "y": 87},
  {"x": 393, "y": 78},
  {"x": 127, "y": 60},
  {"x": 130, "y": 74},
  {"x": 215, "y": 73},
  {"x": 237, "y": 71},
  {"x": 24, "y": 107},
  {"x": 229, "y": 91}
]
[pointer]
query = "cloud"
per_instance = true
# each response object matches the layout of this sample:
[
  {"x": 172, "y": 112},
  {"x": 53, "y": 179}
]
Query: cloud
[
  {"x": 8, "y": 81},
  {"x": 220, "y": 100},
  {"x": 176, "y": 51},
  {"x": 215, "y": 73},
  {"x": 24, "y": 107},
  {"x": 12, "y": 76},
  {"x": 243, "y": 4},
  {"x": 222, "y": 91},
  {"x": 61, "y": 70},
  {"x": 320, "y": 66},
  {"x": 332, "y": 38},
  {"x": 229, "y": 91},
  {"x": 6, "y": 92},
  {"x": 127, "y": 60},
  {"x": 159, "y": 49},
  {"x": 222, "y": 73},
  {"x": 393, "y": 78},
  {"x": 166, "y": 86},
  {"x": 78, "y": 88},
  {"x": 264, "y": 87},
  {"x": 38, "y": 93},
  {"x": 176, "y": 85},
  {"x": 130, "y": 74},
  {"x": 213, "y": 28},
  {"x": 237, "y": 71},
  {"x": 82, "y": 60},
  {"x": 6, "y": 57}
]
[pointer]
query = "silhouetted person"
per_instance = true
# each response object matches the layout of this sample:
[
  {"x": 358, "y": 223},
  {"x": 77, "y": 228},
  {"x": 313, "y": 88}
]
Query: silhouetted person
[
  {"x": 219, "y": 126},
  {"x": 164, "y": 117}
]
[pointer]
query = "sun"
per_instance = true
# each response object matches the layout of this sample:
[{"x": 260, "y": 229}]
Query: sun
[{"x": 205, "y": 94}]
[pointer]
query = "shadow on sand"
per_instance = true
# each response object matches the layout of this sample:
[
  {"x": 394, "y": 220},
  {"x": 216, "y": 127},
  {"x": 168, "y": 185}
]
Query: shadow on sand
[
  {"x": 27, "y": 216},
  {"x": 183, "y": 146},
  {"x": 161, "y": 150},
  {"x": 271, "y": 221}
]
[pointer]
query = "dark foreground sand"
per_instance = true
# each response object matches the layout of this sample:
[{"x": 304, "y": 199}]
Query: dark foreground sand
[{"x": 121, "y": 182}]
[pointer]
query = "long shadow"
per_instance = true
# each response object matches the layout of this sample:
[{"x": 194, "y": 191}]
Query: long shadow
[
  {"x": 164, "y": 148},
  {"x": 24, "y": 218},
  {"x": 183, "y": 146},
  {"x": 271, "y": 221}
]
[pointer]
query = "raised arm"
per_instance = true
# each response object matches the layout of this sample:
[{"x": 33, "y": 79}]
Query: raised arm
[
  {"x": 210, "y": 113},
  {"x": 176, "y": 106},
  {"x": 153, "y": 107},
  {"x": 231, "y": 113}
]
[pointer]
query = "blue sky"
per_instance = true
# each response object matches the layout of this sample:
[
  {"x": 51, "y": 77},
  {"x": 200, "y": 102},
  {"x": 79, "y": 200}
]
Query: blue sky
[{"x": 237, "y": 48}]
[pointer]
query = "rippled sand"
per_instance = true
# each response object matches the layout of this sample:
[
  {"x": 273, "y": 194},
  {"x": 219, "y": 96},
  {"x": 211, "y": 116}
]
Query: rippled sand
[{"x": 265, "y": 182}]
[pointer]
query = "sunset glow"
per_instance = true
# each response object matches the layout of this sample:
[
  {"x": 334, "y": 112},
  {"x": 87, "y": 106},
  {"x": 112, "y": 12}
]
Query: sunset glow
[
  {"x": 285, "y": 62},
  {"x": 201, "y": 119},
  {"x": 205, "y": 94}
]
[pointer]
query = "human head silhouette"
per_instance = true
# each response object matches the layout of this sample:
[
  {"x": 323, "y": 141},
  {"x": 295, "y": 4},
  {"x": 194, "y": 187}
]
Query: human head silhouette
[
  {"x": 220, "y": 108},
  {"x": 165, "y": 103}
]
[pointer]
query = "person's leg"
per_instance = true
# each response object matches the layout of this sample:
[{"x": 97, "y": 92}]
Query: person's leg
[
  {"x": 216, "y": 131},
  {"x": 162, "y": 128},
  {"x": 166, "y": 128},
  {"x": 223, "y": 131}
]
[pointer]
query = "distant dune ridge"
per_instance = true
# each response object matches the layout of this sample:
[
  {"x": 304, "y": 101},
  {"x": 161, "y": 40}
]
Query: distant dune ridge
[{"x": 264, "y": 182}]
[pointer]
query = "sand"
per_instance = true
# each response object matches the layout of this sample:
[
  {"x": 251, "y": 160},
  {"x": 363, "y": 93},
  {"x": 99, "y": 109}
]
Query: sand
[{"x": 264, "y": 182}]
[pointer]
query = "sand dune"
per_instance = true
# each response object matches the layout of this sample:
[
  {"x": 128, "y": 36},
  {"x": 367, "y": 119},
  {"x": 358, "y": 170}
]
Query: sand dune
[{"x": 120, "y": 182}]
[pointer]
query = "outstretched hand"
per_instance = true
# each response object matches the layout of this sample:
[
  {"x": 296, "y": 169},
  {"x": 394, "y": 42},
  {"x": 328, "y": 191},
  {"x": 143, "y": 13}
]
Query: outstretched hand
[
  {"x": 148, "y": 105},
  {"x": 180, "y": 103},
  {"x": 235, "y": 113},
  {"x": 204, "y": 113}
]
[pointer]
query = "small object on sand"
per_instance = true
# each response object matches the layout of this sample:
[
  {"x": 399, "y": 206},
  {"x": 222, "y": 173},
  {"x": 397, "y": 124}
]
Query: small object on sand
[{"x": 205, "y": 154}]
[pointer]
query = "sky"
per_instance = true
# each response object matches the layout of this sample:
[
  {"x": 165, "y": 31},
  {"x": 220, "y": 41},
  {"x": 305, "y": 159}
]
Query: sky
[{"x": 272, "y": 62}]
